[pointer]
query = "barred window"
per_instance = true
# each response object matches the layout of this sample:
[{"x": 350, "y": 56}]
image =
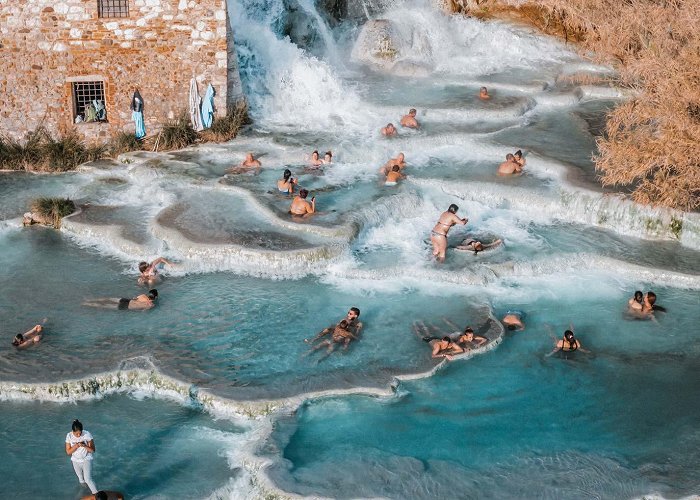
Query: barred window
[
  {"x": 113, "y": 8},
  {"x": 89, "y": 102}
]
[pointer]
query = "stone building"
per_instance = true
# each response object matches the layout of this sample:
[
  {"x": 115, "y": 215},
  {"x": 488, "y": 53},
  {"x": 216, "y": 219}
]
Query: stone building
[{"x": 56, "y": 56}]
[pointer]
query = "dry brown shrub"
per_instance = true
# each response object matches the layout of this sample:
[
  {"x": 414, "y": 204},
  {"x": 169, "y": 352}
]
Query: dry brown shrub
[{"x": 651, "y": 141}]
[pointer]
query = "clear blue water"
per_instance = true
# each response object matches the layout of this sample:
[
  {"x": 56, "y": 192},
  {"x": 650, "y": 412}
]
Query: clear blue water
[{"x": 250, "y": 283}]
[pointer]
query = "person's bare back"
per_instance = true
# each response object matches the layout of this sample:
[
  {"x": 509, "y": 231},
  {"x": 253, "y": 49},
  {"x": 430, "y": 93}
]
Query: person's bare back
[
  {"x": 409, "y": 120},
  {"x": 509, "y": 167}
]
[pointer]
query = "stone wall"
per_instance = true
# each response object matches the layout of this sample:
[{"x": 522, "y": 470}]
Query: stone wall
[{"x": 45, "y": 45}]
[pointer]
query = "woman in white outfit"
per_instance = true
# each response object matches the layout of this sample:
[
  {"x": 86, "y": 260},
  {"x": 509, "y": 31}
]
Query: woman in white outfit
[{"x": 80, "y": 446}]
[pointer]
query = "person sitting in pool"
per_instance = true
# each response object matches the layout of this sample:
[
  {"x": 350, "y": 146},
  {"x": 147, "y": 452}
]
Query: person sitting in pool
[
  {"x": 250, "y": 162},
  {"x": 286, "y": 183},
  {"x": 105, "y": 495},
  {"x": 409, "y": 120},
  {"x": 484, "y": 94},
  {"x": 438, "y": 236},
  {"x": 389, "y": 130},
  {"x": 509, "y": 167},
  {"x": 138, "y": 303},
  {"x": 328, "y": 158},
  {"x": 31, "y": 337},
  {"x": 476, "y": 246},
  {"x": 636, "y": 303},
  {"x": 353, "y": 325},
  {"x": 649, "y": 305},
  {"x": 445, "y": 348},
  {"x": 149, "y": 271},
  {"x": 513, "y": 321},
  {"x": 467, "y": 340},
  {"x": 341, "y": 334},
  {"x": 393, "y": 177},
  {"x": 569, "y": 343},
  {"x": 518, "y": 157},
  {"x": 302, "y": 207},
  {"x": 398, "y": 161},
  {"x": 315, "y": 161}
]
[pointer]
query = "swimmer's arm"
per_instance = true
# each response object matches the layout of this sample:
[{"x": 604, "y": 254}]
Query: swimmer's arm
[
  {"x": 481, "y": 340},
  {"x": 313, "y": 206},
  {"x": 358, "y": 328},
  {"x": 320, "y": 334},
  {"x": 160, "y": 260},
  {"x": 436, "y": 350},
  {"x": 459, "y": 221}
]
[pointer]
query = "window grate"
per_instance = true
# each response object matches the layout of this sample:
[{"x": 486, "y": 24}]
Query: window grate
[
  {"x": 113, "y": 8},
  {"x": 84, "y": 93}
]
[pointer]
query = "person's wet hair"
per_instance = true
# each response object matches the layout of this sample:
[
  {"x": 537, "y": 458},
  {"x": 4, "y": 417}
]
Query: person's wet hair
[
  {"x": 395, "y": 168},
  {"x": 19, "y": 338},
  {"x": 389, "y": 125},
  {"x": 153, "y": 294},
  {"x": 483, "y": 89},
  {"x": 519, "y": 153},
  {"x": 143, "y": 266},
  {"x": 638, "y": 296},
  {"x": 77, "y": 426},
  {"x": 511, "y": 327},
  {"x": 356, "y": 311},
  {"x": 303, "y": 193},
  {"x": 329, "y": 153},
  {"x": 651, "y": 297},
  {"x": 412, "y": 111},
  {"x": 468, "y": 330},
  {"x": 446, "y": 339},
  {"x": 287, "y": 175},
  {"x": 453, "y": 208},
  {"x": 569, "y": 335},
  {"x": 315, "y": 152},
  {"x": 101, "y": 495},
  {"x": 509, "y": 156}
]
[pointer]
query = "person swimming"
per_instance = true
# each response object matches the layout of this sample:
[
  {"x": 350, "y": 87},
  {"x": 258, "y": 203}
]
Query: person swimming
[
  {"x": 28, "y": 338},
  {"x": 149, "y": 271},
  {"x": 327, "y": 158},
  {"x": 286, "y": 183},
  {"x": 569, "y": 343},
  {"x": 138, "y": 303},
  {"x": 250, "y": 162},
  {"x": 509, "y": 167},
  {"x": 389, "y": 130},
  {"x": 513, "y": 320},
  {"x": 484, "y": 94},
  {"x": 518, "y": 157},
  {"x": 302, "y": 207},
  {"x": 477, "y": 246},
  {"x": 438, "y": 235},
  {"x": 393, "y": 177},
  {"x": 636, "y": 303},
  {"x": 409, "y": 120},
  {"x": 315, "y": 161},
  {"x": 345, "y": 331},
  {"x": 400, "y": 160}
]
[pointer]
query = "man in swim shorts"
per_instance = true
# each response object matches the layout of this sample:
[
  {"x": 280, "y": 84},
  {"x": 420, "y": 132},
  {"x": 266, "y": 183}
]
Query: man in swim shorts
[
  {"x": 409, "y": 120},
  {"x": 389, "y": 130},
  {"x": 302, "y": 207},
  {"x": 138, "y": 303},
  {"x": 393, "y": 177},
  {"x": 509, "y": 167}
]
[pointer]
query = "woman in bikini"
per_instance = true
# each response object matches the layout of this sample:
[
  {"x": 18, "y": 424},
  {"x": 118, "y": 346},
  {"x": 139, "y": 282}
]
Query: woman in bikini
[
  {"x": 286, "y": 184},
  {"x": 438, "y": 236}
]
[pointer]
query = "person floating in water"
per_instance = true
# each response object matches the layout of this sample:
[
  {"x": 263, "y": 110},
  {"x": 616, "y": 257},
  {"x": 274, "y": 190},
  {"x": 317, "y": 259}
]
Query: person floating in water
[
  {"x": 636, "y": 303},
  {"x": 476, "y": 246},
  {"x": 569, "y": 343},
  {"x": 105, "y": 495},
  {"x": 409, "y": 120},
  {"x": 519, "y": 159},
  {"x": 399, "y": 161},
  {"x": 484, "y": 94},
  {"x": 465, "y": 340},
  {"x": 29, "y": 338},
  {"x": 250, "y": 162},
  {"x": 315, "y": 161},
  {"x": 438, "y": 236},
  {"x": 510, "y": 166},
  {"x": 302, "y": 207},
  {"x": 468, "y": 340},
  {"x": 286, "y": 183},
  {"x": 345, "y": 331},
  {"x": 138, "y": 303},
  {"x": 393, "y": 177},
  {"x": 149, "y": 271},
  {"x": 327, "y": 158},
  {"x": 513, "y": 320},
  {"x": 389, "y": 130}
]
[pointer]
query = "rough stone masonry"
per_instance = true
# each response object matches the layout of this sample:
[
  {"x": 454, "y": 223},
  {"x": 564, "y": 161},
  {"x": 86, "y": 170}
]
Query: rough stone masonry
[{"x": 157, "y": 46}]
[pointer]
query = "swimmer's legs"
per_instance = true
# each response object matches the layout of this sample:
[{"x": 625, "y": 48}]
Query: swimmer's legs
[{"x": 108, "y": 303}]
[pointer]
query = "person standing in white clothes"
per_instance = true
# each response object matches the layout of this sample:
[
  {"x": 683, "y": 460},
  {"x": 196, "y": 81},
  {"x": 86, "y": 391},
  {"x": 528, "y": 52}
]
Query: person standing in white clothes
[{"x": 80, "y": 446}]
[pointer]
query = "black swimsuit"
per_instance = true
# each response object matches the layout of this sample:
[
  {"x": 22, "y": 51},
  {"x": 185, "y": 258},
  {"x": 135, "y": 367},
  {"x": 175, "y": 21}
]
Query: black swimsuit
[{"x": 123, "y": 304}]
